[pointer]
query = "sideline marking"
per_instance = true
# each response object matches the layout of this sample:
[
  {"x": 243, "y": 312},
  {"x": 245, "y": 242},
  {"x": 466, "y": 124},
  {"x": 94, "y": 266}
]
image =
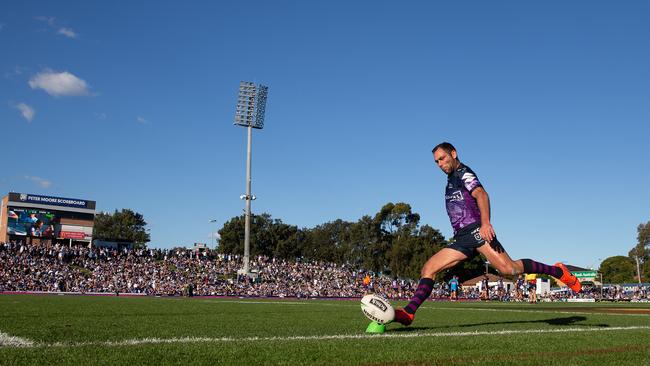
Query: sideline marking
[
  {"x": 430, "y": 307},
  {"x": 541, "y": 311},
  {"x": 10, "y": 341},
  {"x": 260, "y": 302},
  {"x": 278, "y": 302},
  {"x": 145, "y": 341}
]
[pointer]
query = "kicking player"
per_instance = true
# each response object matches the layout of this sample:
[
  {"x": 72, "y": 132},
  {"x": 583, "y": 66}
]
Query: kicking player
[{"x": 468, "y": 206}]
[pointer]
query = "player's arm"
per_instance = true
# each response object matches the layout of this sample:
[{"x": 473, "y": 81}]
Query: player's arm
[{"x": 483, "y": 201}]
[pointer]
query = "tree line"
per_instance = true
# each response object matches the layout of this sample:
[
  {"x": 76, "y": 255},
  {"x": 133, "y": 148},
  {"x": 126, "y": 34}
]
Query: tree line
[
  {"x": 624, "y": 269},
  {"x": 121, "y": 226},
  {"x": 391, "y": 242}
]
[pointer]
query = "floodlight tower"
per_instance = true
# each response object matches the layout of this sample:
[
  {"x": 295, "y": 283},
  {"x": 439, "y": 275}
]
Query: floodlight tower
[{"x": 251, "y": 105}]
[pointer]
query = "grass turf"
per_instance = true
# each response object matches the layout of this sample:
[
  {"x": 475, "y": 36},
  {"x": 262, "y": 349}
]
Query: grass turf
[{"x": 76, "y": 330}]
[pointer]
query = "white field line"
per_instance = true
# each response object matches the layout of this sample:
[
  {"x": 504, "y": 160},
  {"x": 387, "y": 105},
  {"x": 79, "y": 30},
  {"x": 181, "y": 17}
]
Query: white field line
[
  {"x": 147, "y": 341},
  {"x": 343, "y": 303},
  {"x": 260, "y": 302},
  {"x": 10, "y": 341},
  {"x": 540, "y": 311},
  {"x": 432, "y": 308}
]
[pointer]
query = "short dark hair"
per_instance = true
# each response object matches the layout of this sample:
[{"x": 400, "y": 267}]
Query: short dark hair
[{"x": 445, "y": 146}]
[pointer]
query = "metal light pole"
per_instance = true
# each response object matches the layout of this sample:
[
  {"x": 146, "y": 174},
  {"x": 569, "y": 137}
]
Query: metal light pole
[
  {"x": 638, "y": 268},
  {"x": 212, "y": 233},
  {"x": 251, "y": 105}
]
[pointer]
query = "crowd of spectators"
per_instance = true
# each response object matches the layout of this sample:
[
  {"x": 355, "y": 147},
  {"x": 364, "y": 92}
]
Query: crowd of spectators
[
  {"x": 59, "y": 268},
  {"x": 84, "y": 269}
]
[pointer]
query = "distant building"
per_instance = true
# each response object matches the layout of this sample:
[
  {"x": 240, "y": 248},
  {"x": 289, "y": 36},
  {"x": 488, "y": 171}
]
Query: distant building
[
  {"x": 493, "y": 281},
  {"x": 199, "y": 247},
  {"x": 36, "y": 219}
]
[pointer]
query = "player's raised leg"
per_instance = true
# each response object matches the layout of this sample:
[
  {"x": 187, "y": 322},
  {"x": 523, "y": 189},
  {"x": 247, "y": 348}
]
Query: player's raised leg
[
  {"x": 499, "y": 258},
  {"x": 445, "y": 258}
]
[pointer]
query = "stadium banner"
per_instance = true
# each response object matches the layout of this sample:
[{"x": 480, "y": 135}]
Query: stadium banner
[
  {"x": 585, "y": 274},
  {"x": 581, "y": 300},
  {"x": 631, "y": 287},
  {"x": 77, "y": 229},
  {"x": 49, "y": 200},
  {"x": 71, "y": 235}
]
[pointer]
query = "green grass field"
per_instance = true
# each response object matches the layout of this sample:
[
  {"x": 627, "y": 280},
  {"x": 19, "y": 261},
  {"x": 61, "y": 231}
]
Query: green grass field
[{"x": 77, "y": 330}]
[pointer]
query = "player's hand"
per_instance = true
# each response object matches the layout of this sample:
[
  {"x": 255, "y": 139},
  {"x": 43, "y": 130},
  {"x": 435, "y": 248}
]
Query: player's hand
[{"x": 487, "y": 232}]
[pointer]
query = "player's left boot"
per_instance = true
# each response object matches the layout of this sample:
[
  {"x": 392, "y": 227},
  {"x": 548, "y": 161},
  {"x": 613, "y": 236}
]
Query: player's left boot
[{"x": 569, "y": 279}]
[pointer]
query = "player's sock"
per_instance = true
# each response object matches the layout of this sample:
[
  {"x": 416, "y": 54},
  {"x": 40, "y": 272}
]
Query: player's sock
[
  {"x": 421, "y": 293},
  {"x": 530, "y": 266}
]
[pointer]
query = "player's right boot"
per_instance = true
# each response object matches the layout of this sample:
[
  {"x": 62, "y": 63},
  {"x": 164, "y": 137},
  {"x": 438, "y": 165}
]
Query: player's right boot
[
  {"x": 402, "y": 317},
  {"x": 569, "y": 279}
]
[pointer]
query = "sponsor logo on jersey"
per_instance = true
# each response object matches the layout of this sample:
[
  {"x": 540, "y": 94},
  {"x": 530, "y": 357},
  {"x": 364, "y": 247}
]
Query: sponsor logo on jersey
[
  {"x": 456, "y": 196},
  {"x": 477, "y": 234}
]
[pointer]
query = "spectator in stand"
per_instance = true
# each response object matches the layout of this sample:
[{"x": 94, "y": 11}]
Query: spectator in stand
[
  {"x": 485, "y": 288},
  {"x": 164, "y": 272},
  {"x": 531, "y": 280},
  {"x": 83, "y": 269}
]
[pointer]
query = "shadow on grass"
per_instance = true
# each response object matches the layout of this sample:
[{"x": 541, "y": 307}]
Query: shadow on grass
[{"x": 565, "y": 321}]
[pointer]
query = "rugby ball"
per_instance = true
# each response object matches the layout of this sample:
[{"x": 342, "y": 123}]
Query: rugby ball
[{"x": 377, "y": 308}]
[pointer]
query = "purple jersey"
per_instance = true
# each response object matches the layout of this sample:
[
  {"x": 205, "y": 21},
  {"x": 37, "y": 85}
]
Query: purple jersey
[{"x": 461, "y": 206}]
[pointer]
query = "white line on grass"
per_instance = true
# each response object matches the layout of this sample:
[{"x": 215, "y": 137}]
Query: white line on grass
[
  {"x": 342, "y": 303},
  {"x": 595, "y": 312},
  {"x": 271, "y": 302},
  {"x": 146, "y": 341},
  {"x": 345, "y": 303},
  {"x": 10, "y": 341}
]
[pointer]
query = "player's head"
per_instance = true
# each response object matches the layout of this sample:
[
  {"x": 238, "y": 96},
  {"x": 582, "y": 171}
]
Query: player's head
[{"x": 446, "y": 157}]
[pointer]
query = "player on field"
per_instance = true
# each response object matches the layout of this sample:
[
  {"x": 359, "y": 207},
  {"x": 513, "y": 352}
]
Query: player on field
[
  {"x": 501, "y": 292},
  {"x": 519, "y": 288},
  {"x": 453, "y": 287},
  {"x": 485, "y": 288},
  {"x": 468, "y": 206},
  {"x": 531, "y": 280}
]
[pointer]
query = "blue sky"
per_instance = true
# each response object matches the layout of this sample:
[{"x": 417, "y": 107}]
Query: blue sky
[{"x": 132, "y": 105}]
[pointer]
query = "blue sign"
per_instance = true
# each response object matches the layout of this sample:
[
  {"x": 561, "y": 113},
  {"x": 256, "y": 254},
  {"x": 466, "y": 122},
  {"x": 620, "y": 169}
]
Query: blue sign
[{"x": 47, "y": 200}]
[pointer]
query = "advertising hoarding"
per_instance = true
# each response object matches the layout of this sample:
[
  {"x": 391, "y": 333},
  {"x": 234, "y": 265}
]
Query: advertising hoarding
[{"x": 35, "y": 199}]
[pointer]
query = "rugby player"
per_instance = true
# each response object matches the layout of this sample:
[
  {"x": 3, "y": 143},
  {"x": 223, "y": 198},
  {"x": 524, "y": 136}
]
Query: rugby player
[
  {"x": 453, "y": 287},
  {"x": 468, "y": 207}
]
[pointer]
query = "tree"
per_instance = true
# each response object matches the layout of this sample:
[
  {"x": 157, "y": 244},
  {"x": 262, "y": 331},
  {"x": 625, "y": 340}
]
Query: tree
[
  {"x": 125, "y": 225},
  {"x": 642, "y": 248},
  {"x": 231, "y": 236},
  {"x": 395, "y": 222},
  {"x": 267, "y": 236},
  {"x": 390, "y": 242},
  {"x": 329, "y": 242},
  {"x": 364, "y": 236},
  {"x": 409, "y": 253},
  {"x": 618, "y": 269},
  {"x": 392, "y": 218},
  {"x": 291, "y": 247}
]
